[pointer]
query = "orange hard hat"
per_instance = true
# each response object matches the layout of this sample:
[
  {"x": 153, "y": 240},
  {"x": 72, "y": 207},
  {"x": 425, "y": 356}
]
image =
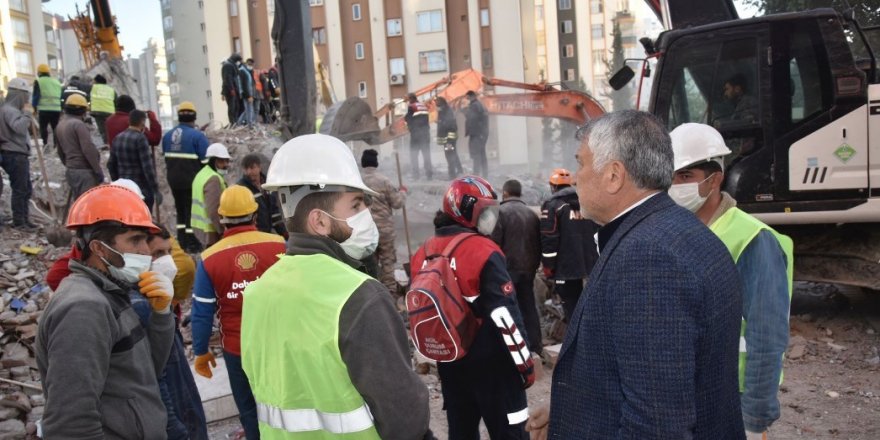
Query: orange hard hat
[
  {"x": 560, "y": 176},
  {"x": 110, "y": 203}
]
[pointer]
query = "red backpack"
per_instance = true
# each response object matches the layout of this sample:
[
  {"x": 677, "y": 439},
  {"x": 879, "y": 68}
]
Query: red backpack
[{"x": 441, "y": 322}]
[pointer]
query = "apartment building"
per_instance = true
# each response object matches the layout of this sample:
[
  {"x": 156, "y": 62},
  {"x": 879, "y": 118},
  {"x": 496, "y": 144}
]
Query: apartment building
[
  {"x": 150, "y": 71},
  {"x": 23, "y": 40}
]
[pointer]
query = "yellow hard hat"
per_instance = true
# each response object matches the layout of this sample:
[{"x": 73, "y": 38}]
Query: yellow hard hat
[
  {"x": 43, "y": 68},
  {"x": 76, "y": 100},
  {"x": 186, "y": 106},
  {"x": 237, "y": 201}
]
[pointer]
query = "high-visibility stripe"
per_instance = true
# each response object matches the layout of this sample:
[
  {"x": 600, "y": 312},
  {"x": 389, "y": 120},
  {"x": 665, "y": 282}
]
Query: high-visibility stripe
[
  {"x": 560, "y": 281},
  {"x": 181, "y": 226},
  {"x": 549, "y": 255},
  {"x": 419, "y": 113},
  {"x": 181, "y": 156},
  {"x": 305, "y": 420},
  {"x": 198, "y": 217},
  {"x": 258, "y": 195},
  {"x": 205, "y": 300},
  {"x": 518, "y": 417},
  {"x": 198, "y": 202},
  {"x": 742, "y": 344},
  {"x": 189, "y": 230}
]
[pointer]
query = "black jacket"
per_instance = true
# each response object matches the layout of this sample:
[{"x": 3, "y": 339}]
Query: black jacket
[
  {"x": 447, "y": 127},
  {"x": 567, "y": 245},
  {"x": 269, "y": 217},
  {"x": 476, "y": 124},
  {"x": 518, "y": 233},
  {"x": 229, "y": 73}
]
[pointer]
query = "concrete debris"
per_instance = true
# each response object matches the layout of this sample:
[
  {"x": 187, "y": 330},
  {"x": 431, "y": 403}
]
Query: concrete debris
[{"x": 832, "y": 394}]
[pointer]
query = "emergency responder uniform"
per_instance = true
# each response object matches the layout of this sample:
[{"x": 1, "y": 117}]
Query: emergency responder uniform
[
  {"x": 389, "y": 199},
  {"x": 226, "y": 268},
  {"x": 765, "y": 262},
  {"x": 419, "y": 137},
  {"x": 184, "y": 148},
  {"x": 447, "y": 137},
  {"x": 332, "y": 330},
  {"x": 207, "y": 186},
  {"x": 103, "y": 104},
  {"x": 46, "y": 99},
  {"x": 568, "y": 250},
  {"x": 489, "y": 382}
]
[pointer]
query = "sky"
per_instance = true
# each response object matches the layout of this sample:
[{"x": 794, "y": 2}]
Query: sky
[{"x": 137, "y": 20}]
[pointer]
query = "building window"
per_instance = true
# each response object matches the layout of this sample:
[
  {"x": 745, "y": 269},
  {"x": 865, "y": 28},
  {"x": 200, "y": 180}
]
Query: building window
[
  {"x": 22, "y": 33},
  {"x": 598, "y": 31},
  {"x": 569, "y": 51},
  {"x": 596, "y": 6},
  {"x": 397, "y": 66},
  {"x": 316, "y": 2},
  {"x": 18, "y": 5},
  {"x": 569, "y": 74},
  {"x": 487, "y": 58},
  {"x": 50, "y": 35},
  {"x": 566, "y": 27},
  {"x": 168, "y": 23},
  {"x": 24, "y": 64},
  {"x": 599, "y": 57},
  {"x": 174, "y": 89},
  {"x": 233, "y": 8},
  {"x": 393, "y": 27},
  {"x": 207, "y": 71},
  {"x": 53, "y": 63},
  {"x": 362, "y": 89},
  {"x": 356, "y": 11},
  {"x": 169, "y": 45},
  {"x": 358, "y": 51},
  {"x": 236, "y": 45},
  {"x": 204, "y": 48},
  {"x": 319, "y": 35},
  {"x": 172, "y": 67},
  {"x": 432, "y": 61},
  {"x": 201, "y": 4},
  {"x": 429, "y": 21},
  {"x": 484, "y": 17},
  {"x": 208, "y": 93},
  {"x": 564, "y": 5},
  {"x": 166, "y": 4},
  {"x": 203, "y": 27}
]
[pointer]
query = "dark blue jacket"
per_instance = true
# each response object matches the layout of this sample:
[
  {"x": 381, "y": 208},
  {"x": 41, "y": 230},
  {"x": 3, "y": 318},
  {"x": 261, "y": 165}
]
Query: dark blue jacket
[{"x": 651, "y": 351}]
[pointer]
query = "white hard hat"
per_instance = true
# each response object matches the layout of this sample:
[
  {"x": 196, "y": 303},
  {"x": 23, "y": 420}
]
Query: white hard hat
[
  {"x": 693, "y": 143},
  {"x": 312, "y": 163},
  {"x": 218, "y": 150},
  {"x": 19, "y": 84},
  {"x": 129, "y": 185}
]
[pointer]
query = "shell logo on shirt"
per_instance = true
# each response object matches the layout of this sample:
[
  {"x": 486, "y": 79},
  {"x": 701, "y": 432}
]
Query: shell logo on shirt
[{"x": 246, "y": 260}]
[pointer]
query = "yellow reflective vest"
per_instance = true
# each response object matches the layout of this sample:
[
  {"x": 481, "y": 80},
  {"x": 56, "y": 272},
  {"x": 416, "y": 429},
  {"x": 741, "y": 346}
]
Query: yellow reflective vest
[{"x": 199, "y": 217}]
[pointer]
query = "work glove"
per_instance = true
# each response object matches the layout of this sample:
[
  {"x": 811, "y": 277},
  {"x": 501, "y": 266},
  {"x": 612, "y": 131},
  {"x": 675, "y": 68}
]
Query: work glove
[
  {"x": 204, "y": 363},
  {"x": 158, "y": 289},
  {"x": 756, "y": 435}
]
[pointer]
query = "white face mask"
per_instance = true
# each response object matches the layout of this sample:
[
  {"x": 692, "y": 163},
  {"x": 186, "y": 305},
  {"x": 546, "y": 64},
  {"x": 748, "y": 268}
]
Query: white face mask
[
  {"x": 222, "y": 171},
  {"x": 487, "y": 221},
  {"x": 364, "y": 237},
  {"x": 687, "y": 195},
  {"x": 165, "y": 265},
  {"x": 135, "y": 264}
]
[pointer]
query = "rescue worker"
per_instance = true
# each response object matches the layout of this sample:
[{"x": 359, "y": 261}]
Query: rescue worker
[
  {"x": 184, "y": 148},
  {"x": 47, "y": 100},
  {"x": 489, "y": 382},
  {"x": 231, "y": 87},
  {"x": 568, "y": 250},
  {"x": 447, "y": 136},
  {"x": 476, "y": 128},
  {"x": 130, "y": 158},
  {"x": 15, "y": 124},
  {"x": 75, "y": 86},
  {"x": 103, "y": 104},
  {"x": 333, "y": 331},
  {"x": 269, "y": 217},
  {"x": 248, "y": 93},
  {"x": 764, "y": 260},
  {"x": 207, "y": 186},
  {"x": 75, "y": 148},
  {"x": 99, "y": 367},
  {"x": 388, "y": 199},
  {"x": 518, "y": 234},
  {"x": 118, "y": 122},
  {"x": 419, "y": 136},
  {"x": 226, "y": 268}
]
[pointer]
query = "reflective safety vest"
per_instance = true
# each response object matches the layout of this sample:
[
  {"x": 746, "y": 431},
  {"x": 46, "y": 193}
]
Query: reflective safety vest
[
  {"x": 290, "y": 351},
  {"x": 199, "y": 218},
  {"x": 103, "y": 98},
  {"x": 736, "y": 229},
  {"x": 50, "y": 94}
]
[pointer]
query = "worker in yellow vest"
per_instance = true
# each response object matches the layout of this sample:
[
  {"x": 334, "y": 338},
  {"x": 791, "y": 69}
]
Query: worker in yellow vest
[
  {"x": 103, "y": 104},
  {"x": 207, "y": 186},
  {"x": 764, "y": 260},
  {"x": 322, "y": 345},
  {"x": 46, "y": 98}
]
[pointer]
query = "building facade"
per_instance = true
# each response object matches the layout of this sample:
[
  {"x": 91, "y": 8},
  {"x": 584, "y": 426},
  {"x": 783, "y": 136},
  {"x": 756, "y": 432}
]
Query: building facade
[
  {"x": 151, "y": 73},
  {"x": 23, "y": 40}
]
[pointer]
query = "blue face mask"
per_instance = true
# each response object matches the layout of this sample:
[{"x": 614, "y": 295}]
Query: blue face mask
[{"x": 135, "y": 264}]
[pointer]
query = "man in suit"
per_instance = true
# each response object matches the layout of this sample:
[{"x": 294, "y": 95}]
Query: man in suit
[{"x": 651, "y": 351}]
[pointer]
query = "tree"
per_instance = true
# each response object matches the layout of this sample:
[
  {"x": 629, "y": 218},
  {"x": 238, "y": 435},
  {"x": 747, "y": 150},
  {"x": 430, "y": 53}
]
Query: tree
[{"x": 624, "y": 98}]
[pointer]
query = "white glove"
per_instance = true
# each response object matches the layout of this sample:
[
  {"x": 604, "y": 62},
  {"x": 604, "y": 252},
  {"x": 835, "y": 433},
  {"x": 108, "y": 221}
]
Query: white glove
[{"x": 756, "y": 435}]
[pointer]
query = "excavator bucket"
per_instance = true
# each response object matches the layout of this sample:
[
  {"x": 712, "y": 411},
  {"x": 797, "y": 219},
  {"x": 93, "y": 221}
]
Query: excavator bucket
[{"x": 351, "y": 120}]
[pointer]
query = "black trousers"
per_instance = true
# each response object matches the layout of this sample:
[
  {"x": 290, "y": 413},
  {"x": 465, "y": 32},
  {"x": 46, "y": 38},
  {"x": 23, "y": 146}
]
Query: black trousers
[
  {"x": 453, "y": 162},
  {"x": 569, "y": 292},
  {"x": 524, "y": 283},
  {"x": 17, "y": 166},
  {"x": 231, "y": 109},
  {"x": 48, "y": 119},
  {"x": 477, "y": 147},
  {"x": 420, "y": 142}
]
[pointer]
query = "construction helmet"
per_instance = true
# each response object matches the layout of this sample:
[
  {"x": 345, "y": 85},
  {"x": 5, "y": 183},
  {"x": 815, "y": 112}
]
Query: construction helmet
[
  {"x": 217, "y": 150},
  {"x": 560, "y": 176},
  {"x": 186, "y": 106},
  {"x": 110, "y": 203},
  {"x": 18, "y": 84},
  {"x": 76, "y": 100},
  {"x": 43, "y": 68},
  {"x": 129, "y": 185},
  {"x": 237, "y": 201},
  {"x": 466, "y": 199},
  {"x": 312, "y": 163},
  {"x": 693, "y": 143}
]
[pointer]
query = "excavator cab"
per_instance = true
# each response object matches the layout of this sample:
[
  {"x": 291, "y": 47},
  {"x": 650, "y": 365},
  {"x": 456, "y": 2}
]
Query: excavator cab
[{"x": 790, "y": 100}]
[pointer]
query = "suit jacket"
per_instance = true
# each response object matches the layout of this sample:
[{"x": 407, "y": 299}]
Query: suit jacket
[{"x": 651, "y": 351}]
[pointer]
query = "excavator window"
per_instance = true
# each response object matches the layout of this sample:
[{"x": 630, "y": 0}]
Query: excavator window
[{"x": 809, "y": 89}]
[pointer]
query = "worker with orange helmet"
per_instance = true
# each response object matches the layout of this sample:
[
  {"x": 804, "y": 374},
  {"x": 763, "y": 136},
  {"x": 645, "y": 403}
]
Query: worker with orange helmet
[
  {"x": 568, "y": 251},
  {"x": 99, "y": 366}
]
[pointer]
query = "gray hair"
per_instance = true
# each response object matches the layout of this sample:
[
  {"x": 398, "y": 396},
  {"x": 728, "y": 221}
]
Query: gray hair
[{"x": 638, "y": 140}]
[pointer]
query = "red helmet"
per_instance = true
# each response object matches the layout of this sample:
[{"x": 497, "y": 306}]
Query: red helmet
[
  {"x": 466, "y": 199},
  {"x": 560, "y": 176}
]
